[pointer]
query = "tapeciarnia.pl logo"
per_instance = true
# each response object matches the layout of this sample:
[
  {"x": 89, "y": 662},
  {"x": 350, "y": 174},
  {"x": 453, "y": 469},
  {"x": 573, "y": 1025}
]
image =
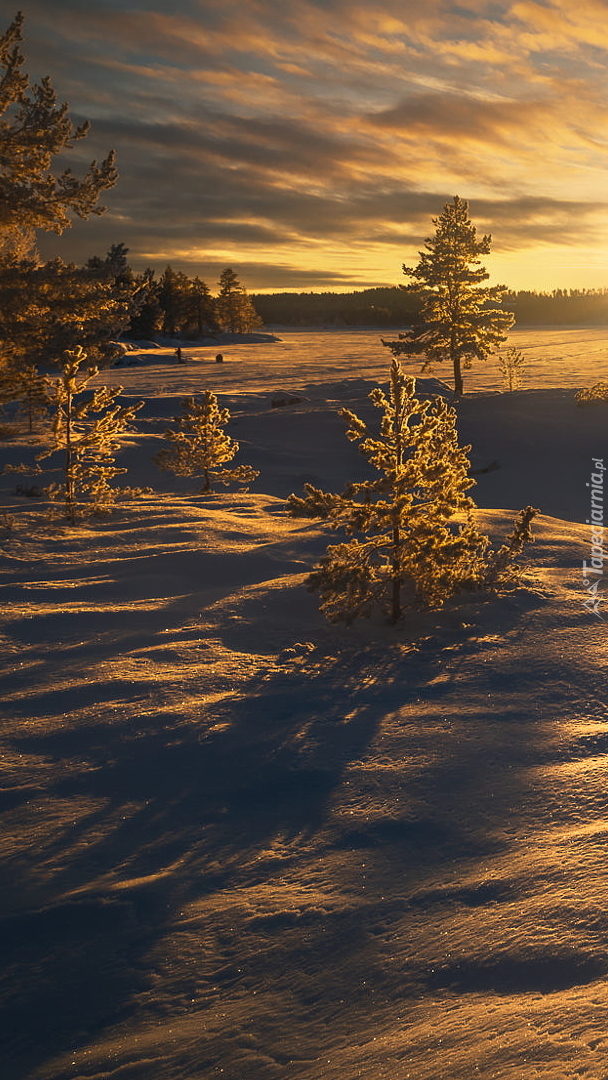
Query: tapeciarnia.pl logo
[{"x": 593, "y": 571}]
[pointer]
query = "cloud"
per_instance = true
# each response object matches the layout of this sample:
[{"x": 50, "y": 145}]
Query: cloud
[
  {"x": 458, "y": 115},
  {"x": 321, "y": 138}
]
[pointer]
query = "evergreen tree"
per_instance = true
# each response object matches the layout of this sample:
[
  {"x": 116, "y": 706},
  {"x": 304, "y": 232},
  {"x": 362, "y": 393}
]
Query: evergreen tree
[
  {"x": 459, "y": 319},
  {"x": 29, "y": 388},
  {"x": 511, "y": 365},
  {"x": 173, "y": 294},
  {"x": 115, "y": 266},
  {"x": 147, "y": 320},
  {"x": 33, "y": 130},
  {"x": 89, "y": 445},
  {"x": 202, "y": 315},
  {"x": 45, "y": 310},
  {"x": 201, "y": 447},
  {"x": 41, "y": 305},
  {"x": 235, "y": 311},
  {"x": 407, "y": 515}
]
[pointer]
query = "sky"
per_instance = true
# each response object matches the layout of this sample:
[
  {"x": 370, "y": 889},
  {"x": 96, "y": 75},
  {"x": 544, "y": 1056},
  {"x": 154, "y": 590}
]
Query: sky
[{"x": 309, "y": 144}]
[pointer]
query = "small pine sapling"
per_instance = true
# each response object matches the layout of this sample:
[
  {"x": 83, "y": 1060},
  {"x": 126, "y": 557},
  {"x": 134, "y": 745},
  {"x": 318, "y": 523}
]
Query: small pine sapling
[
  {"x": 30, "y": 389},
  {"x": 89, "y": 445},
  {"x": 407, "y": 515},
  {"x": 511, "y": 365},
  {"x": 201, "y": 447},
  {"x": 501, "y": 569}
]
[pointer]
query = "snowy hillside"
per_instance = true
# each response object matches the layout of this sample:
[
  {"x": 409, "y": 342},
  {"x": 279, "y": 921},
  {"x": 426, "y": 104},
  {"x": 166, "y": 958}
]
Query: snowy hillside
[{"x": 241, "y": 843}]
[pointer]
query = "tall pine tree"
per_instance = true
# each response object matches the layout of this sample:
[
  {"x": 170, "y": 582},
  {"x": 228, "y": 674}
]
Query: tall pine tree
[
  {"x": 47, "y": 309},
  {"x": 460, "y": 319},
  {"x": 235, "y": 311},
  {"x": 34, "y": 300}
]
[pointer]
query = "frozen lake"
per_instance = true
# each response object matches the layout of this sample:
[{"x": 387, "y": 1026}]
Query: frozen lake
[{"x": 568, "y": 357}]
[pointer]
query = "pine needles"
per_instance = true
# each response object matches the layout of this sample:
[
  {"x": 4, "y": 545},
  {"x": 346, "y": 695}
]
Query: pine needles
[
  {"x": 419, "y": 544},
  {"x": 201, "y": 447},
  {"x": 89, "y": 445}
]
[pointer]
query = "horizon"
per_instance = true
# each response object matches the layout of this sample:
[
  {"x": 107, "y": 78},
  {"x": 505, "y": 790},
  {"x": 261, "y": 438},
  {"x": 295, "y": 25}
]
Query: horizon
[{"x": 312, "y": 148}]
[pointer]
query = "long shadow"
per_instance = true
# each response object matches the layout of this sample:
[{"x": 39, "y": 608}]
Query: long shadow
[
  {"x": 179, "y": 812},
  {"x": 176, "y": 816}
]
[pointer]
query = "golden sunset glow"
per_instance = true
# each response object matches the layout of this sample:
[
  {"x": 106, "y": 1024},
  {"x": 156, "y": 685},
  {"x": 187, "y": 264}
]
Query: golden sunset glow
[{"x": 311, "y": 147}]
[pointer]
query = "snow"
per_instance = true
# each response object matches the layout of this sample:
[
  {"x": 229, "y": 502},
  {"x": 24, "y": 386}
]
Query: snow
[{"x": 239, "y": 842}]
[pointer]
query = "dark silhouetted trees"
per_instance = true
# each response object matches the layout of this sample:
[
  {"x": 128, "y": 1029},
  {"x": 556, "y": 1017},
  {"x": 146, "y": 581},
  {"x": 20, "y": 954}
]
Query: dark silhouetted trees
[{"x": 234, "y": 309}]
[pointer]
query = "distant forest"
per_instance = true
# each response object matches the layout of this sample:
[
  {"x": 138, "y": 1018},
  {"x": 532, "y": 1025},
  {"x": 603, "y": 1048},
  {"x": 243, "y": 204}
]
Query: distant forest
[{"x": 394, "y": 306}]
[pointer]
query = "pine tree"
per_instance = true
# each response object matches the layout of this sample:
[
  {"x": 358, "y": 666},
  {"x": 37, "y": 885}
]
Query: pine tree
[
  {"x": 201, "y": 447},
  {"x": 88, "y": 445},
  {"x": 46, "y": 310},
  {"x": 147, "y": 319},
  {"x": 29, "y": 388},
  {"x": 413, "y": 540},
  {"x": 33, "y": 131},
  {"x": 511, "y": 364},
  {"x": 202, "y": 315},
  {"x": 459, "y": 319},
  {"x": 173, "y": 294},
  {"x": 235, "y": 311}
]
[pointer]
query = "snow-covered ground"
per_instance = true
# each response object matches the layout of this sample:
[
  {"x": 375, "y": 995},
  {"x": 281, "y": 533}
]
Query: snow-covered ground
[{"x": 241, "y": 843}]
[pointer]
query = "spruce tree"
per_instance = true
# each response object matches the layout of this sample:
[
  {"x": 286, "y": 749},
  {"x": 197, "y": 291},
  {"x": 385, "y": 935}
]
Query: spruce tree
[
  {"x": 173, "y": 292},
  {"x": 235, "y": 311},
  {"x": 419, "y": 545},
  {"x": 460, "y": 319},
  {"x": 201, "y": 447},
  {"x": 88, "y": 444},
  {"x": 147, "y": 319}
]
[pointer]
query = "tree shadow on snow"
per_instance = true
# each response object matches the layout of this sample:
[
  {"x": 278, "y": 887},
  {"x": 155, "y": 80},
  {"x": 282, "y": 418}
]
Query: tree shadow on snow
[
  {"x": 170, "y": 812},
  {"x": 173, "y": 813}
]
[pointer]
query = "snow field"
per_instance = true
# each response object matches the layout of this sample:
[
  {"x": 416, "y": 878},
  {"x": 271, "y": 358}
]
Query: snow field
[{"x": 241, "y": 843}]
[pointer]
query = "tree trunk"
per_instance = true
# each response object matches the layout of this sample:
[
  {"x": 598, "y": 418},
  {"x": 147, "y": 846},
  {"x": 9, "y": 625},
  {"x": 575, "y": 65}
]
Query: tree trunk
[
  {"x": 458, "y": 384},
  {"x": 398, "y": 423},
  {"x": 396, "y": 572},
  {"x": 69, "y": 455}
]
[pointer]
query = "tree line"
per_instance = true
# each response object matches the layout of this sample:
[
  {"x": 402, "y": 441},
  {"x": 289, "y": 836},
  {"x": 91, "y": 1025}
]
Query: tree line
[
  {"x": 391, "y": 306},
  {"x": 90, "y": 306},
  {"x": 179, "y": 306}
]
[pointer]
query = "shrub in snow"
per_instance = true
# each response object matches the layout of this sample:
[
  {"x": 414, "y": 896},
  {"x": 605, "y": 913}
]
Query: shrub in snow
[
  {"x": 599, "y": 392},
  {"x": 88, "y": 445},
  {"x": 412, "y": 552},
  {"x": 511, "y": 364},
  {"x": 201, "y": 447}
]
